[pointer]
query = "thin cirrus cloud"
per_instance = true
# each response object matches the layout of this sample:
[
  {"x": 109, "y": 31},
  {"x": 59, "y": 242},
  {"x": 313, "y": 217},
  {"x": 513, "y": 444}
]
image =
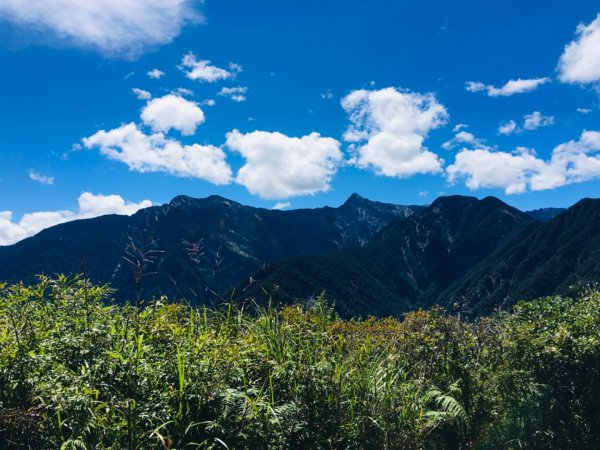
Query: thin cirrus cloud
[
  {"x": 120, "y": 28},
  {"x": 521, "y": 170},
  {"x": 279, "y": 166},
  {"x": 511, "y": 87},
  {"x": 580, "y": 61},
  {"x": 388, "y": 128},
  {"x": 172, "y": 112},
  {"x": 89, "y": 205},
  {"x": 202, "y": 70}
]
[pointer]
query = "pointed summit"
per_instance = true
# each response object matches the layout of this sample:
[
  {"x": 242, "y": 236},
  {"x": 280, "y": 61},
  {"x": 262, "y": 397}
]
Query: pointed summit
[{"x": 355, "y": 200}]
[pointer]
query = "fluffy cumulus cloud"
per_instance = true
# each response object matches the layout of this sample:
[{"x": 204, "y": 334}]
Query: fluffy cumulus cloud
[
  {"x": 388, "y": 128},
  {"x": 536, "y": 120},
  {"x": 157, "y": 153},
  {"x": 203, "y": 70},
  {"x": 531, "y": 122},
  {"x": 172, "y": 112},
  {"x": 507, "y": 128},
  {"x": 155, "y": 74},
  {"x": 278, "y": 166},
  {"x": 521, "y": 170},
  {"x": 90, "y": 205},
  {"x": 113, "y": 27},
  {"x": 511, "y": 87},
  {"x": 237, "y": 94},
  {"x": 580, "y": 61},
  {"x": 484, "y": 168}
]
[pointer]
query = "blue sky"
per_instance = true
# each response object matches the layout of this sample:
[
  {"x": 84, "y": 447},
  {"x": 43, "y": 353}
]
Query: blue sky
[{"x": 299, "y": 106}]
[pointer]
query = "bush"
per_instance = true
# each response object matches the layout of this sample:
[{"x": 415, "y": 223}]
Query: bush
[{"x": 77, "y": 371}]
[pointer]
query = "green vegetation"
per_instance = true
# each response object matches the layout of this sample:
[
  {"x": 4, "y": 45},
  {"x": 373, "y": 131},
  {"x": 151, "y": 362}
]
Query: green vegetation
[{"x": 79, "y": 372}]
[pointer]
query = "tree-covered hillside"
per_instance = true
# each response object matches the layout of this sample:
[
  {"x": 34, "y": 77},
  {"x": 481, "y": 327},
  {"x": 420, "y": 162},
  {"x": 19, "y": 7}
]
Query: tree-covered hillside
[
  {"x": 465, "y": 254},
  {"x": 404, "y": 267},
  {"x": 200, "y": 248}
]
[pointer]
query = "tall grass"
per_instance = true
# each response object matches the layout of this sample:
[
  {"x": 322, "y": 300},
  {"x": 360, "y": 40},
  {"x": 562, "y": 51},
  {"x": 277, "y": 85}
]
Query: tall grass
[{"x": 79, "y": 372}]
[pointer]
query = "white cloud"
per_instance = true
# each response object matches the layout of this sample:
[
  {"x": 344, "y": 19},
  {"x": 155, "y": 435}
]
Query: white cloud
[
  {"x": 202, "y": 70},
  {"x": 209, "y": 102},
  {"x": 388, "y": 127},
  {"x": 584, "y": 110},
  {"x": 535, "y": 120},
  {"x": 155, "y": 74},
  {"x": 172, "y": 111},
  {"x": 580, "y": 61},
  {"x": 90, "y": 205},
  {"x": 522, "y": 170},
  {"x": 157, "y": 153},
  {"x": 141, "y": 94},
  {"x": 474, "y": 86},
  {"x": 462, "y": 138},
  {"x": 237, "y": 94},
  {"x": 43, "y": 179},
  {"x": 507, "y": 128},
  {"x": 489, "y": 169},
  {"x": 113, "y": 27},
  {"x": 458, "y": 127},
  {"x": 278, "y": 166},
  {"x": 531, "y": 122},
  {"x": 183, "y": 91},
  {"x": 327, "y": 95},
  {"x": 511, "y": 87},
  {"x": 281, "y": 205},
  {"x": 235, "y": 67}
]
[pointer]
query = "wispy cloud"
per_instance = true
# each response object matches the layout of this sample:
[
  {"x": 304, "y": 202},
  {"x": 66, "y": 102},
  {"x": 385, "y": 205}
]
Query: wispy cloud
[
  {"x": 237, "y": 94},
  {"x": 141, "y": 94},
  {"x": 511, "y": 87},
  {"x": 42, "y": 179}
]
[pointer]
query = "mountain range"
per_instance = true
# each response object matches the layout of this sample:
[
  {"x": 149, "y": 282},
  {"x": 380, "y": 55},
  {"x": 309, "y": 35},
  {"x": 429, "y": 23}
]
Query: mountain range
[
  {"x": 197, "y": 249},
  {"x": 369, "y": 258}
]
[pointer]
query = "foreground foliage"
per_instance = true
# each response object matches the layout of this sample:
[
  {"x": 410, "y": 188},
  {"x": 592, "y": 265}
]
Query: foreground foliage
[{"x": 79, "y": 372}]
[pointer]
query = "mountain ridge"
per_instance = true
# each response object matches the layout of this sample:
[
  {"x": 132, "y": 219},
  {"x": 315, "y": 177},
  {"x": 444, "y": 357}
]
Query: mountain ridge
[
  {"x": 370, "y": 257},
  {"x": 234, "y": 241}
]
